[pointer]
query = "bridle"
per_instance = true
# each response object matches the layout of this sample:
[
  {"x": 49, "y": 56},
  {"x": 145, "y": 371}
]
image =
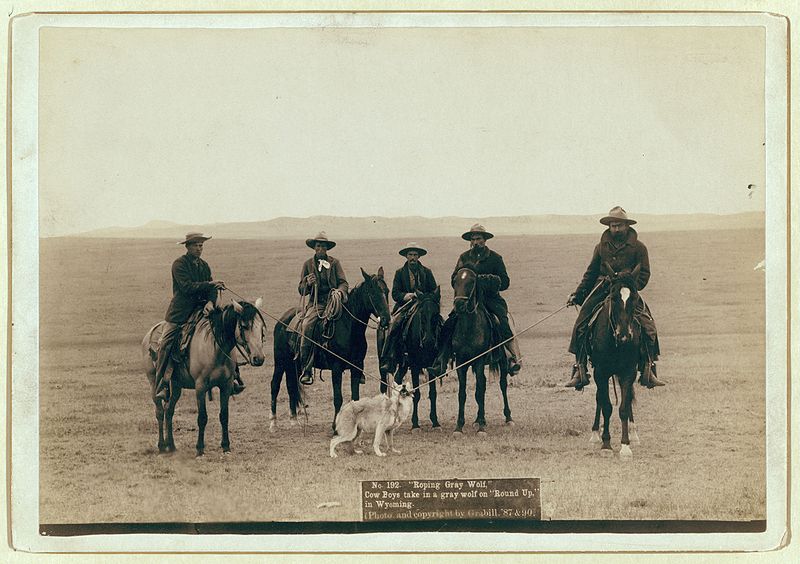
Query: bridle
[
  {"x": 611, "y": 320},
  {"x": 471, "y": 295},
  {"x": 238, "y": 332}
]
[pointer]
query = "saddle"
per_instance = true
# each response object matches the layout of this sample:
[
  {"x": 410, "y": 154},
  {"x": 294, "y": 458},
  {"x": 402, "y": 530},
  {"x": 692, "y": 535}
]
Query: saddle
[{"x": 494, "y": 326}]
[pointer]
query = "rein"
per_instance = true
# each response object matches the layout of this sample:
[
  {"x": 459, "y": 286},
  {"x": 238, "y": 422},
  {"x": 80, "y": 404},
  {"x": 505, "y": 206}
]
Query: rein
[{"x": 471, "y": 295}]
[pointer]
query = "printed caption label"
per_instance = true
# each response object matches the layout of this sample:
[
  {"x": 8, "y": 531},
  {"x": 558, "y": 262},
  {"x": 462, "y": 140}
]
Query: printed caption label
[{"x": 426, "y": 500}]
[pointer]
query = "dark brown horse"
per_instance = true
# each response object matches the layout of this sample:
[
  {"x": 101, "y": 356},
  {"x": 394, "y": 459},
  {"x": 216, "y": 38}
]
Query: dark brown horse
[
  {"x": 348, "y": 340},
  {"x": 472, "y": 337},
  {"x": 234, "y": 331},
  {"x": 419, "y": 337},
  {"x": 614, "y": 341}
]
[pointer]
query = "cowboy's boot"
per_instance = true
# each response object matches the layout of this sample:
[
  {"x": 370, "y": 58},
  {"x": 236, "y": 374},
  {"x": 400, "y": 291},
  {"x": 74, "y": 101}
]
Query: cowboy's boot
[
  {"x": 580, "y": 374},
  {"x": 514, "y": 358},
  {"x": 307, "y": 362},
  {"x": 648, "y": 375},
  {"x": 439, "y": 365}
]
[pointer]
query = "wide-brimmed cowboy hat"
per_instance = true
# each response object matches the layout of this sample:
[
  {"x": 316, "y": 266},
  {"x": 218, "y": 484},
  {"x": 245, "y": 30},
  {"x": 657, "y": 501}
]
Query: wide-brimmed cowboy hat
[
  {"x": 476, "y": 229},
  {"x": 413, "y": 247},
  {"x": 194, "y": 237},
  {"x": 617, "y": 214},
  {"x": 321, "y": 238}
]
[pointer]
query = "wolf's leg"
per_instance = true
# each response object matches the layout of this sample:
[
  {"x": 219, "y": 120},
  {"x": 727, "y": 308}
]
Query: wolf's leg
[
  {"x": 357, "y": 443},
  {"x": 376, "y": 444}
]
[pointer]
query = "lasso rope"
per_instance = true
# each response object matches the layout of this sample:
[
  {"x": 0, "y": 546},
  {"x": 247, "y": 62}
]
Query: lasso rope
[
  {"x": 466, "y": 363},
  {"x": 500, "y": 344}
]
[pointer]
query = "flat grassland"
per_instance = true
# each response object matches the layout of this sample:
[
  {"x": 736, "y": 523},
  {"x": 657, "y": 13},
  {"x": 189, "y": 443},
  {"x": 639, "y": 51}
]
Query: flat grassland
[{"x": 702, "y": 452}]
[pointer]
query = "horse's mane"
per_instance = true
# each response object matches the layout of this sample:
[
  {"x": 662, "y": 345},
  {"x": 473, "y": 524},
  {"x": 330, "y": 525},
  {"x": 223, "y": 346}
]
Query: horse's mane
[{"x": 223, "y": 322}]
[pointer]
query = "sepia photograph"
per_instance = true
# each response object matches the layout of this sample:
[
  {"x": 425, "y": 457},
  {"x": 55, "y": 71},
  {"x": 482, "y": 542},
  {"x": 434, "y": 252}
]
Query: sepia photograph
[{"x": 417, "y": 274}]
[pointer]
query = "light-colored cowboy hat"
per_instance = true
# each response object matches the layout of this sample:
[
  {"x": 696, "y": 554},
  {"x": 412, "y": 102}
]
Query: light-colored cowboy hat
[
  {"x": 194, "y": 237},
  {"x": 413, "y": 247},
  {"x": 617, "y": 214},
  {"x": 320, "y": 238},
  {"x": 476, "y": 229}
]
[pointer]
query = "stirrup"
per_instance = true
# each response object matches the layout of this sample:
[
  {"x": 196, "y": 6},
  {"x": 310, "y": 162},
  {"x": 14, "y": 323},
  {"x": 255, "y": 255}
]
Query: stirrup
[
  {"x": 238, "y": 388},
  {"x": 307, "y": 379},
  {"x": 514, "y": 366}
]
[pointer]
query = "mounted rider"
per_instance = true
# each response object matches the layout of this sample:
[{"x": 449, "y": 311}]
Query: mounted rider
[
  {"x": 619, "y": 250},
  {"x": 322, "y": 280},
  {"x": 492, "y": 279},
  {"x": 192, "y": 289},
  {"x": 409, "y": 279}
]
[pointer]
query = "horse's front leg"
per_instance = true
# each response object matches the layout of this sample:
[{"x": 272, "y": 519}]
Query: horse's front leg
[
  {"x": 355, "y": 380},
  {"x": 202, "y": 417},
  {"x": 504, "y": 391},
  {"x": 606, "y": 408},
  {"x": 336, "y": 384},
  {"x": 480, "y": 396},
  {"x": 174, "y": 396},
  {"x": 462, "y": 399},
  {"x": 626, "y": 389},
  {"x": 275, "y": 388},
  {"x": 415, "y": 384},
  {"x": 432, "y": 399},
  {"x": 224, "y": 395}
]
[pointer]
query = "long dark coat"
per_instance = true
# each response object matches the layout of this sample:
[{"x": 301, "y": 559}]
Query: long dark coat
[
  {"x": 487, "y": 262},
  {"x": 191, "y": 288},
  {"x": 619, "y": 258},
  {"x": 401, "y": 285}
]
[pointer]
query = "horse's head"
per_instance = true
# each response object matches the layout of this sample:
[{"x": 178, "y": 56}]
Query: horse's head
[
  {"x": 624, "y": 298},
  {"x": 428, "y": 307},
  {"x": 250, "y": 331},
  {"x": 464, "y": 284},
  {"x": 376, "y": 292}
]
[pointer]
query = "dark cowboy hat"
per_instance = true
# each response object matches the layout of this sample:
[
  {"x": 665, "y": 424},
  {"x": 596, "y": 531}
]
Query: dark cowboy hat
[
  {"x": 476, "y": 229},
  {"x": 413, "y": 247},
  {"x": 320, "y": 238},
  {"x": 194, "y": 238},
  {"x": 617, "y": 214}
]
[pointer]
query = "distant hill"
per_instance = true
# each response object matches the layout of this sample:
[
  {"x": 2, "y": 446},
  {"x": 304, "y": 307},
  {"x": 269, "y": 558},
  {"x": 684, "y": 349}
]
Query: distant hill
[{"x": 416, "y": 227}]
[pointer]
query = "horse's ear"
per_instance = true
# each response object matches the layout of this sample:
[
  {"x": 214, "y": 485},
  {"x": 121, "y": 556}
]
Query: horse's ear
[
  {"x": 237, "y": 307},
  {"x": 380, "y": 272},
  {"x": 258, "y": 303},
  {"x": 364, "y": 274}
]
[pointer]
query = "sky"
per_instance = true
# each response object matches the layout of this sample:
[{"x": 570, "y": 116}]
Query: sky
[{"x": 202, "y": 126}]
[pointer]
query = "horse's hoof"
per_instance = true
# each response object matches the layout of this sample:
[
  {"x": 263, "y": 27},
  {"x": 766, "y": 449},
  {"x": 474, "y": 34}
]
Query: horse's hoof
[
  {"x": 199, "y": 454},
  {"x": 625, "y": 453},
  {"x": 435, "y": 426},
  {"x": 293, "y": 421},
  {"x": 595, "y": 437},
  {"x": 510, "y": 423},
  {"x": 482, "y": 433},
  {"x": 415, "y": 430},
  {"x": 458, "y": 433},
  {"x": 606, "y": 452}
]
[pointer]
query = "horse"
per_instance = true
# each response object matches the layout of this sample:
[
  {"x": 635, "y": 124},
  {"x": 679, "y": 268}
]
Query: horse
[
  {"x": 614, "y": 340},
  {"x": 472, "y": 336},
  {"x": 419, "y": 338},
  {"x": 348, "y": 339},
  {"x": 237, "y": 327},
  {"x": 284, "y": 364}
]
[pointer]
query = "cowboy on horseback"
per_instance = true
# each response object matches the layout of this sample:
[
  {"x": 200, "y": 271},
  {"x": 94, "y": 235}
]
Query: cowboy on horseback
[
  {"x": 322, "y": 280},
  {"x": 492, "y": 279},
  {"x": 192, "y": 289},
  {"x": 410, "y": 278},
  {"x": 619, "y": 251}
]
